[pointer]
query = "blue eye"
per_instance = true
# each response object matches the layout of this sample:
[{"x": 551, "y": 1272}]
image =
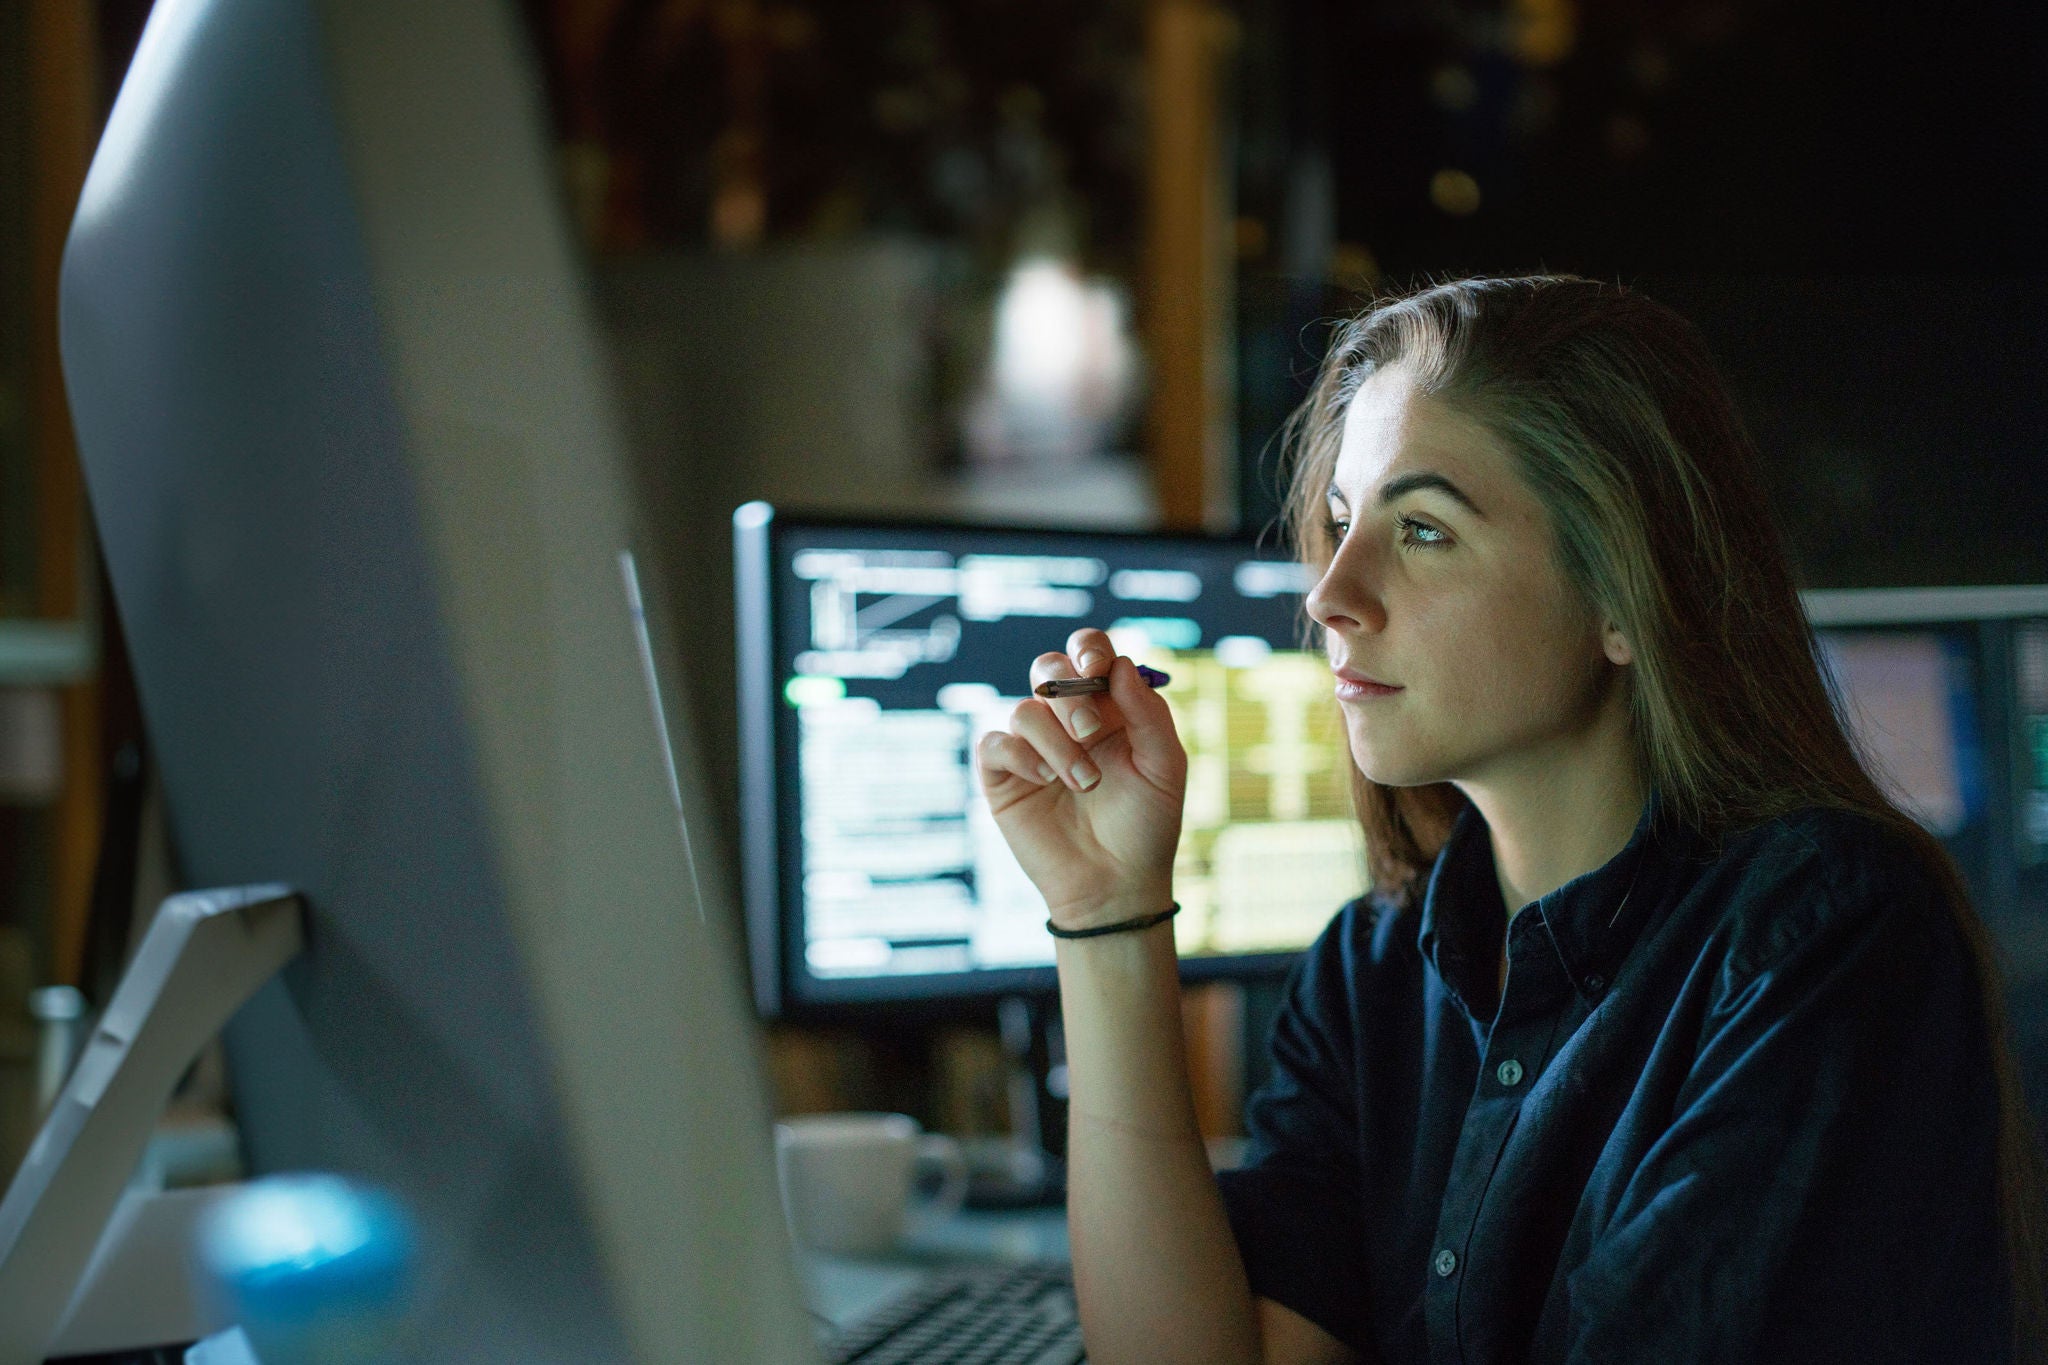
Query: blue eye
[{"x": 1418, "y": 534}]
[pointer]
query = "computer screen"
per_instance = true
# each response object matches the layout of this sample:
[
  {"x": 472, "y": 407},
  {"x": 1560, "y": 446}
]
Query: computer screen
[
  {"x": 1910, "y": 697},
  {"x": 2030, "y": 670},
  {"x": 875, "y": 656},
  {"x": 1945, "y": 692}
]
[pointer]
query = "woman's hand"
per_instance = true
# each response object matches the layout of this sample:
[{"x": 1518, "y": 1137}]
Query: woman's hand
[{"x": 1087, "y": 790}]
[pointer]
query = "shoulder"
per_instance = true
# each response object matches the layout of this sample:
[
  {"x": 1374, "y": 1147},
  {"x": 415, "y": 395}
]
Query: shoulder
[
  {"x": 1816, "y": 875},
  {"x": 1368, "y": 933},
  {"x": 1368, "y": 939}
]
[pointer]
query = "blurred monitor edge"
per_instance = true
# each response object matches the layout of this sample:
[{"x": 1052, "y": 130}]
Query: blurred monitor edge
[{"x": 354, "y": 464}]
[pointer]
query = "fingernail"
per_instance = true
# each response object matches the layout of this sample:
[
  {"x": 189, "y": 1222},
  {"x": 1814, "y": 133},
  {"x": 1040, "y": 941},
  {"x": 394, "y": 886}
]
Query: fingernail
[
  {"x": 1088, "y": 662},
  {"x": 1046, "y": 774},
  {"x": 1083, "y": 721},
  {"x": 1085, "y": 774}
]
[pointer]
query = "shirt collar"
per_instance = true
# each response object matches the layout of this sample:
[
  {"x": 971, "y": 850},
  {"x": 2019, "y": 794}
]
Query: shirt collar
[{"x": 1592, "y": 920}]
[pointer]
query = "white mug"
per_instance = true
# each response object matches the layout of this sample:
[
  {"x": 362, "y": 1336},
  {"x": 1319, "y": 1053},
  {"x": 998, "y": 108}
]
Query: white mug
[{"x": 846, "y": 1179}]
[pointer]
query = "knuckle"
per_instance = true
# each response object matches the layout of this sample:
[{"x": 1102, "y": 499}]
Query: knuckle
[{"x": 1040, "y": 727}]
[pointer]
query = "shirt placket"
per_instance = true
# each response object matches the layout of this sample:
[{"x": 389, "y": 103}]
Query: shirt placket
[{"x": 1517, "y": 1048}]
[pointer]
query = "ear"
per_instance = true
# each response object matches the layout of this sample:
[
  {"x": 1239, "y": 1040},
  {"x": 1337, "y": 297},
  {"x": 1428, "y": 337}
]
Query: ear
[{"x": 1615, "y": 645}]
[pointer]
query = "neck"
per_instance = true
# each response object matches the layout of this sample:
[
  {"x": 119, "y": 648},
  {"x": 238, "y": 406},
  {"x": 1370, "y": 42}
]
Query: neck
[{"x": 1557, "y": 815}]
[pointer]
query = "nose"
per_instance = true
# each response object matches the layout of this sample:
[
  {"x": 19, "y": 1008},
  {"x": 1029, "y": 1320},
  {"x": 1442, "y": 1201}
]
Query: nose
[{"x": 1346, "y": 598}]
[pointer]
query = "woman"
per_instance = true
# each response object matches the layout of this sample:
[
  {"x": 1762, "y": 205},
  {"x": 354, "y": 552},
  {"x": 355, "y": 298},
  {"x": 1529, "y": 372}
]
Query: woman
[{"x": 1663, "y": 1035}]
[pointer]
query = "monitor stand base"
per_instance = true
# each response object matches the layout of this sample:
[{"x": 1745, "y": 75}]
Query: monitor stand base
[{"x": 205, "y": 953}]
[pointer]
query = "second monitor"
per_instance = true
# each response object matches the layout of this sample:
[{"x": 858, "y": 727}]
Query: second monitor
[{"x": 872, "y": 659}]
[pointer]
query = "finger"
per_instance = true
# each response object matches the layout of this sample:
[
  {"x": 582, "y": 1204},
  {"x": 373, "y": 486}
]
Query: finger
[
  {"x": 1050, "y": 665},
  {"x": 1085, "y": 718},
  {"x": 1004, "y": 758},
  {"x": 1034, "y": 722},
  {"x": 1091, "y": 651},
  {"x": 1156, "y": 750}
]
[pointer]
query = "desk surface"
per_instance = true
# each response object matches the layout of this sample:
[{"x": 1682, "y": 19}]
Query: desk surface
[{"x": 843, "y": 1289}]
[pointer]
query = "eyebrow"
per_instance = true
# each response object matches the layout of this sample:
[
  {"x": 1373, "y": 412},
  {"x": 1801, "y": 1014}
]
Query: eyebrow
[{"x": 1409, "y": 483}]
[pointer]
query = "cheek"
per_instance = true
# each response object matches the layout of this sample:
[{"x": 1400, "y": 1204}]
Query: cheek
[{"x": 1526, "y": 651}]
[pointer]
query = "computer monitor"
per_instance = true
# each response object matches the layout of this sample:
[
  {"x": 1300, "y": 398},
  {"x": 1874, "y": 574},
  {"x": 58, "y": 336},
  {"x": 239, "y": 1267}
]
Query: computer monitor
[
  {"x": 873, "y": 656},
  {"x": 1945, "y": 691},
  {"x": 343, "y": 420}
]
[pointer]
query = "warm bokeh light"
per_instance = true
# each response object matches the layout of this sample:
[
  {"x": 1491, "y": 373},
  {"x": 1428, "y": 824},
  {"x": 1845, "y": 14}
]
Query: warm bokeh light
[
  {"x": 1454, "y": 191},
  {"x": 1543, "y": 32}
]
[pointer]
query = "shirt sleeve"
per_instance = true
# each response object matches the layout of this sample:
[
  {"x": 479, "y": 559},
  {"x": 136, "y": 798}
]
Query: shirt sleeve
[
  {"x": 1294, "y": 1204},
  {"x": 1827, "y": 1187}
]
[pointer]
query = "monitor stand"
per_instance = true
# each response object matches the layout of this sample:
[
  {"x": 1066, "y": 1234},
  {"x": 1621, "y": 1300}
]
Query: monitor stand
[
  {"x": 205, "y": 953},
  {"x": 1028, "y": 1167}
]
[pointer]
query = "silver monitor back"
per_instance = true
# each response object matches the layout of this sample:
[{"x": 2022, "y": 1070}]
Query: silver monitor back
[{"x": 350, "y": 452}]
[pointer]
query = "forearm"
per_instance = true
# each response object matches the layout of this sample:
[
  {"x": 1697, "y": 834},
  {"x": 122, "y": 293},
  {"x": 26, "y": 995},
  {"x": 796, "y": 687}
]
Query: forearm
[{"x": 1156, "y": 1269}]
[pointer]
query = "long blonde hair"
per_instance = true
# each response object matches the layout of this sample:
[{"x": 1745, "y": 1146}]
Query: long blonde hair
[{"x": 1623, "y": 428}]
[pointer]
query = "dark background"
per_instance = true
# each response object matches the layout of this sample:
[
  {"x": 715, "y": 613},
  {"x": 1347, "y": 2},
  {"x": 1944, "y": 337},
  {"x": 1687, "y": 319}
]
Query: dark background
[{"x": 1848, "y": 199}]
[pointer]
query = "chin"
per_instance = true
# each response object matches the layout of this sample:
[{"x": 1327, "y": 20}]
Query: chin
[
  {"x": 1402, "y": 764},
  {"x": 1406, "y": 779},
  {"x": 1398, "y": 771}
]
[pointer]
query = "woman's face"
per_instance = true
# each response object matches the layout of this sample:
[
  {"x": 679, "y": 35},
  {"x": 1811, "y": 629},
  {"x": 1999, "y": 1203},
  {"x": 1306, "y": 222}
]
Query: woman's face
[{"x": 1445, "y": 586}]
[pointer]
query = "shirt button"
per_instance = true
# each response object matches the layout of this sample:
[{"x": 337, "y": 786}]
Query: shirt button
[
  {"x": 1596, "y": 984},
  {"x": 1446, "y": 1261},
  {"x": 1510, "y": 1073}
]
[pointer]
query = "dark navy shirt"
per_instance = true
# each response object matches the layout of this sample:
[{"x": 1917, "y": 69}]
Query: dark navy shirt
[{"x": 1735, "y": 1104}]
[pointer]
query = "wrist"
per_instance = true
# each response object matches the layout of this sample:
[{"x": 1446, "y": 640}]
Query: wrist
[
  {"x": 1133, "y": 925},
  {"x": 1081, "y": 916}
]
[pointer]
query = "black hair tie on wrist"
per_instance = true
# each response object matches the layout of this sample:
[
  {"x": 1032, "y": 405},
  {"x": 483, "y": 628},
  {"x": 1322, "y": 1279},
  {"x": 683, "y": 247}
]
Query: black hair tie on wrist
[{"x": 1141, "y": 922}]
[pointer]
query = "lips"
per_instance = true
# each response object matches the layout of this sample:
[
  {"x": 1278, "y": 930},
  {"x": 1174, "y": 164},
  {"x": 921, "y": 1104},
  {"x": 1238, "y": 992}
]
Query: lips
[{"x": 1355, "y": 686}]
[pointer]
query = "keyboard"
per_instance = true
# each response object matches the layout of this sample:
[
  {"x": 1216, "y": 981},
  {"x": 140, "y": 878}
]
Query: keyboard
[{"x": 980, "y": 1315}]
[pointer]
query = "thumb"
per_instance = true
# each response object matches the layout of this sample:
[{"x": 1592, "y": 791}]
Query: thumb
[{"x": 1148, "y": 725}]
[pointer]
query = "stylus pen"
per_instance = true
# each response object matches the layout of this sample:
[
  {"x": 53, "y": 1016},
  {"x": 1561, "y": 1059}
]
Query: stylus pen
[{"x": 1088, "y": 687}]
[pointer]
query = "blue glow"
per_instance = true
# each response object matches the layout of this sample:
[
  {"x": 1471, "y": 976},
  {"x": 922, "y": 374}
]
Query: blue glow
[
  {"x": 305, "y": 1248},
  {"x": 1164, "y": 632}
]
